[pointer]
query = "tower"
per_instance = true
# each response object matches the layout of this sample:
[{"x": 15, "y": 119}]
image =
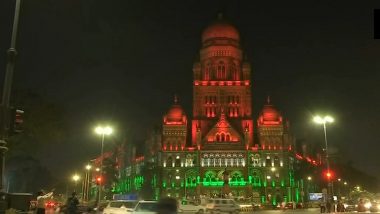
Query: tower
[{"x": 222, "y": 90}]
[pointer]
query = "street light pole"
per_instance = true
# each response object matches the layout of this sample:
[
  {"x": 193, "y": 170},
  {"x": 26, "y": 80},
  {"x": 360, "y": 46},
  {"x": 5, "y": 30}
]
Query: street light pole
[
  {"x": 102, "y": 131},
  {"x": 5, "y": 122},
  {"x": 324, "y": 120},
  {"x": 101, "y": 169}
]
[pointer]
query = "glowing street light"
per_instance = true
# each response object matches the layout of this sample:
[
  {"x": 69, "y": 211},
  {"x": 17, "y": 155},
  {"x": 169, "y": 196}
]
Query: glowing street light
[
  {"x": 88, "y": 167},
  {"x": 272, "y": 169},
  {"x": 345, "y": 183},
  {"x": 309, "y": 178},
  {"x": 75, "y": 178},
  {"x": 324, "y": 120},
  {"x": 102, "y": 131}
]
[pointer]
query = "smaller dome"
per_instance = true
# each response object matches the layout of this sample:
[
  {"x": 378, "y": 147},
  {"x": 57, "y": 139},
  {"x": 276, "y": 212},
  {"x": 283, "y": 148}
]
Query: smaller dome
[
  {"x": 220, "y": 29},
  {"x": 269, "y": 113},
  {"x": 175, "y": 113}
]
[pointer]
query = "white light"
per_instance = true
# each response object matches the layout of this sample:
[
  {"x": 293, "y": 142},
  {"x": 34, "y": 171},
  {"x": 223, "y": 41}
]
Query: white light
[
  {"x": 329, "y": 119},
  {"x": 268, "y": 177},
  {"x": 164, "y": 164},
  {"x": 272, "y": 169},
  {"x": 76, "y": 177},
  {"x": 309, "y": 178},
  {"x": 177, "y": 177},
  {"x": 318, "y": 119},
  {"x": 103, "y": 130},
  {"x": 368, "y": 205},
  {"x": 177, "y": 157},
  {"x": 326, "y": 119},
  {"x": 97, "y": 169},
  {"x": 177, "y": 170},
  {"x": 88, "y": 166}
]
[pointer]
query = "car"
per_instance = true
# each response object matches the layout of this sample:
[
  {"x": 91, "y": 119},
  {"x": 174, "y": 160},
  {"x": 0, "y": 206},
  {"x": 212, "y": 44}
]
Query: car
[
  {"x": 120, "y": 207},
  {"x": 218, "y": 205},
  {"x": 146, "y": 207},
  {"x": 191, "y": 207}
]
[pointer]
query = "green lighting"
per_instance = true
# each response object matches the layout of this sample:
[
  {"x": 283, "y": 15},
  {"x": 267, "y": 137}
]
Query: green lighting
[
  {"x": 273, "y": 183},
  {"x": 282, "y": 183}
]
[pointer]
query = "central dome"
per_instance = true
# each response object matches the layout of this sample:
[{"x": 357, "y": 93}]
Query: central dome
[{"x": 220, "y": 29}]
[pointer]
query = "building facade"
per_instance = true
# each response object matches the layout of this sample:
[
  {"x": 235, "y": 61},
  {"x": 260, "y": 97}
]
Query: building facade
[{"x": 220, "y": 150}]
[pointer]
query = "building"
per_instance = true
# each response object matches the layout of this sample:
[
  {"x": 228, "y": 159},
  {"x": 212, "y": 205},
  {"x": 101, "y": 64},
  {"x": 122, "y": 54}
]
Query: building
[{"x": 219, "y": 150}]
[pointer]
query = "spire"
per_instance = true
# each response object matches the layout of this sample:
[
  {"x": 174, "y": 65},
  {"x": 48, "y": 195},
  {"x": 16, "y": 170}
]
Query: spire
[
  {"x": 175, "y": 99},
  {"x": 268, "y": 99}
]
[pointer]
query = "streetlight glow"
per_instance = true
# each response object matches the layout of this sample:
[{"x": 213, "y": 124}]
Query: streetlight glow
[
  {"x": 268, "y": 177},
  {"x": 273, "y": 169},
  {"x": 324, "y": 120},
  {"x": 88, "y": 166},
  {"x": 309, "y": 178},
  {"x": 76, "y": 177},
  {"x": 107, "y": 130}
]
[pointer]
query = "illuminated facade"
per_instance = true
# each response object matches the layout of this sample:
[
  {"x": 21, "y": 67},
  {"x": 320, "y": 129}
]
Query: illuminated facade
[{"x": 191, "y": 155}]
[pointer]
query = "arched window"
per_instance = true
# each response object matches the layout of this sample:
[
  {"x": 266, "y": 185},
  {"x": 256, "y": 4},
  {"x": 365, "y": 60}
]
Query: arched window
[
  {"x": 178, "y": 162},
  {"x": 223, "y": 137},
  {"x": 228, "y": 138},
  {"x": 256, "y": 160},
  {"x": 207, "y": 72},
  {"x": 221, "y": 71},
  {"x": 268, "y": 161},
  {"x": 218, "y": 137},
  {"x": 169, "y": 162},
  {"x": 276, "y": 161}
]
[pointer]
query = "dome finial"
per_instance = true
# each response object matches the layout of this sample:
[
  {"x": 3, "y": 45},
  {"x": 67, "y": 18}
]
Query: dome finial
[
  {"x": 268, "y": 99},
  {"x": 175, "y": 99}
]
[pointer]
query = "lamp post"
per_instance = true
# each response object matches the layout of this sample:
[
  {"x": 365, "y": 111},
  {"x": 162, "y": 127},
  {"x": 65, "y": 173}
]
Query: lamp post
[
  {"x": 324, "y": 120},
  {"x": 86, "y": 182},
  {"x": 75, "y": 179},
  {"x": 102, "y": 131}
]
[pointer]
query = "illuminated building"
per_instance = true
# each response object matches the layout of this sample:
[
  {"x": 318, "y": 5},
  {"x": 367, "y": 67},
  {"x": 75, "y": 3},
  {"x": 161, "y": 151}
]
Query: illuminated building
[{"x": 190, "y": 155}]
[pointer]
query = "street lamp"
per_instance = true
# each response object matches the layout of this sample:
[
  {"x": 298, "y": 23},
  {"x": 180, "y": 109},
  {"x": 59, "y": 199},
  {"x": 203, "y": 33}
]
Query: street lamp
[
  {"x": 86, "y": 182},
  {"x": 309, "y": 178},
  {"x": 102, "y": 131},
  {"x": 324, "y": 120},
  {"x": 75, "y": 179}
]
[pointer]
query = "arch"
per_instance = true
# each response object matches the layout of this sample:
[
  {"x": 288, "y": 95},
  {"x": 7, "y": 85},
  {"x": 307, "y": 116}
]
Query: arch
[
  {"x": 210, "y": 175},
  {"x": 228, "y": 138},
  {"x": 223, "y": 137},
  {"x": 276, "y": 161},
  {"x": 221, "y": 70},
  {"x": 218, "y": 137},
  {"x": 169, "y": 161},
  {"x": 268, "y": 161}
]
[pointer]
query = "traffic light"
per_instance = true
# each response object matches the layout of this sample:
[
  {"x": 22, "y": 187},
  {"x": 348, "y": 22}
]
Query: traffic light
[
  {"x": 328, "y": 174},
  {"x": 99, "y": 180},
  {"x": 16, "y": 123}
]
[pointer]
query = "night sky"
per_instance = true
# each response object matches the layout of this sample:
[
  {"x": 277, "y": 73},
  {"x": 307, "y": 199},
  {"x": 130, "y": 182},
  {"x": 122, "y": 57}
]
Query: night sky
[{"x": 122, "y": 61}]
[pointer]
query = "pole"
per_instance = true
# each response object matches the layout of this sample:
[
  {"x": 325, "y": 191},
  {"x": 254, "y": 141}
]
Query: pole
[
  {"x": 185, "y": 186},
  {"x": 101, "y": 171},
  {"x": 11, "y": 56},
  {"x": 330, "y": 190}
]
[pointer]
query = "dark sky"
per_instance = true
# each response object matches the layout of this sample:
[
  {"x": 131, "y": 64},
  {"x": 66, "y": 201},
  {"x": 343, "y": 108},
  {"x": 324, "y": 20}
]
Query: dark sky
[{"x": 122, "y": 61}]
